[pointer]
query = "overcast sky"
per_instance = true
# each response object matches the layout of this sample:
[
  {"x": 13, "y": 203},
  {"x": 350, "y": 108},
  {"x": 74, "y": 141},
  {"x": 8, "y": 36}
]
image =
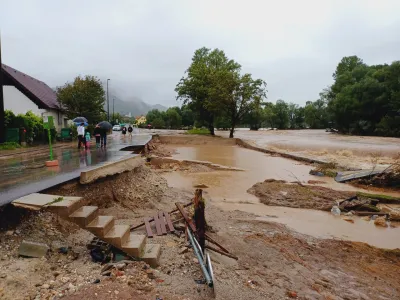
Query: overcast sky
[{"x": 144, "y": 47}]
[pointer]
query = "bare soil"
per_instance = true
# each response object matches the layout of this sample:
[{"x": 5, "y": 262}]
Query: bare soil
[
  {"x": 274, "y": 261},
  {"x": 281, "y": 193}
]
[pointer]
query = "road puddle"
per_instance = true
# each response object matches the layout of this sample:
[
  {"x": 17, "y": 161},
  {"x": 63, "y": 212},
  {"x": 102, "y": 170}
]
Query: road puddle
[{"x": 228, "y": 190}]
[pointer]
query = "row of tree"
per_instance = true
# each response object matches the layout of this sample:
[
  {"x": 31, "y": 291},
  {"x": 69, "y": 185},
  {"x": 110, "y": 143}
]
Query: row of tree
[{"x": 365, "y": 99}]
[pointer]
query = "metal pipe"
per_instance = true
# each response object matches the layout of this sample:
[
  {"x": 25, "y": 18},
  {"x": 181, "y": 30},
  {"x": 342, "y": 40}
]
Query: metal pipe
[{"x": 200, "y": 258}]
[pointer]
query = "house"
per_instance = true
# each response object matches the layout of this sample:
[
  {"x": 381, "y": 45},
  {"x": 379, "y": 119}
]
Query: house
[
  {"x": 141, "y": 120},
  {"x": 23, "y": 93}
]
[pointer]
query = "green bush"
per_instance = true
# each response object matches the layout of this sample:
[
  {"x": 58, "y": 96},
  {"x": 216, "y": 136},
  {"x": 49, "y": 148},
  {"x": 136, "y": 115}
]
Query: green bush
[
  {"x": 9, "y": 146},
  {"x": 32, "y": 123},
  {"x": 203, "y": 131}
]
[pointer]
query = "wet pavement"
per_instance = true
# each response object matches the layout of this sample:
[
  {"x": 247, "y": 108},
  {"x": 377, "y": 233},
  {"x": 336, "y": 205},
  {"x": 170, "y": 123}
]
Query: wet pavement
[
  {"x": 27, "y": 173},
  {"x": 228, "y": 190}
]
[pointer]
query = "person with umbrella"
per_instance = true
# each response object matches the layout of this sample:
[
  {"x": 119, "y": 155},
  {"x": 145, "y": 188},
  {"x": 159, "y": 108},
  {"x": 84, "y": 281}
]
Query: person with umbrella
[
  {"x": 97, "y": 134},
  {"x": 104, "y": 127},
  {"x": 81, "y": 134}
]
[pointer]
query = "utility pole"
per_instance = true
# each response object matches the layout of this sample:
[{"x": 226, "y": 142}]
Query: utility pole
[
  {"x": 108, "y": 104},
  {"x": 113, "y": 108},
  {"x": 2, "y": 115}
]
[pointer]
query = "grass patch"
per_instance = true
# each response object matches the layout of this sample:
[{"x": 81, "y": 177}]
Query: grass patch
[
  {"x": 329, "y": 169},
  {"x": 203, "y": 131},
  {"x": 9, "y": 146},
  {"x": 382, "y": 198}
]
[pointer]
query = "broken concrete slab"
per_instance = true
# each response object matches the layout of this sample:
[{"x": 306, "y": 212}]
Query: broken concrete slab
[
  {"x": 36, "y": 201},
  {"x": 151, "y": 254},
  {"x": 350, "y": 175},
  {"x": 111, "y": 168},
  {"x": 32, "y": 249}
]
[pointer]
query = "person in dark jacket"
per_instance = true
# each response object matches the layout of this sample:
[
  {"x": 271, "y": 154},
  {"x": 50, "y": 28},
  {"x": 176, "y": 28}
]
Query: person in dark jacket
[
  {"x": 97, "y": 135},
  {"x": 103, "y": 137},
  {"x": 130, "y": 129}
]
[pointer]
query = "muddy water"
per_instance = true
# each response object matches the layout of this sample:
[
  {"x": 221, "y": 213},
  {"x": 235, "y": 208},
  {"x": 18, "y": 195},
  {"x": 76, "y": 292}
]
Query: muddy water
[
  {"x": 349, "y": 151},
  {"x": 228, "y": 190}
]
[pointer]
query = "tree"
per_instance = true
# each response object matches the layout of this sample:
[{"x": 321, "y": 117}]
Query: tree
[
  {"x": 246, "y": 96},
  {"x": 152, "y": 115},
  {"x": 365, "y": 99},
  {"x": 158, "y": 123},
  {"x": 84, "y": 97},
  {"x": 200, "y": 87},
  {"x": 281, "y": 111},
  {"x": 173, "y": 119},
  {"x": 316, "y": 114},
  {"x": 187, "y": 116},
  {"x": 214, "y": 88}
]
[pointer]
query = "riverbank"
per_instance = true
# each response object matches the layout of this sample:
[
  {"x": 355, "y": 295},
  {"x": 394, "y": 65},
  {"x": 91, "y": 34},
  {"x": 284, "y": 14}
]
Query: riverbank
[{"x": 283, "y": 251}]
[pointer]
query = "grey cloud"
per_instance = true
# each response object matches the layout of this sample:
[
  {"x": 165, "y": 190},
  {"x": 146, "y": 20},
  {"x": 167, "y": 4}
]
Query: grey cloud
[{"x": 145, "y": 46}]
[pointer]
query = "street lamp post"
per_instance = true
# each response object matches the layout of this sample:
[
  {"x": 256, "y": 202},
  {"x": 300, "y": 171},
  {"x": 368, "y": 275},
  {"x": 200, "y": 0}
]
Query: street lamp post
[
  {"x": 108, "y": 103},
  {"x": 113, "y": 108}
]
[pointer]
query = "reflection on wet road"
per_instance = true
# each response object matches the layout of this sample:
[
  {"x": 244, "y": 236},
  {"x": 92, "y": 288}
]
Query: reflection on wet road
[
  {"x": 228, "y": 190},
  {"x": 27, "y": 173}
]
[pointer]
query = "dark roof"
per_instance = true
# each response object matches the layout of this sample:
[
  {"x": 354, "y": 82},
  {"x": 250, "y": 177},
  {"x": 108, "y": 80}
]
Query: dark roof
[{"x": 36, "y": 90}]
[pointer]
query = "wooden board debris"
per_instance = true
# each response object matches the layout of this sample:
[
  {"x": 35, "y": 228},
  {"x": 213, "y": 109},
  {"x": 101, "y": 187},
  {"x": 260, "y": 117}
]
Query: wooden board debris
[
  {"x": 158, "y": 225},
  {"x": 148, "y": 227},
  {"x": 169, "y": 223},
  {"x": 162, "y": 222}
]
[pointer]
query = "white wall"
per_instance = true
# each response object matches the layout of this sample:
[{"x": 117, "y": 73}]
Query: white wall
[{"x": 17, "y": 102}]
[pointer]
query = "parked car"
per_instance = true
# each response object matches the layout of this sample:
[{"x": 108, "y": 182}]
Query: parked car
[{"x": 117, "y": 128}]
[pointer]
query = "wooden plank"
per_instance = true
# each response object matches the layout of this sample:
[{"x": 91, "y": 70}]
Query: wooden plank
[
  {"x": 221, "y": 252},
  {"x": 148, "y": 228},
  {"x": 162, "y": 222},
  {"x": 193, "y": 227},
  {"x": 169, "y": 223},
  {"x": 152, "y": 219},
  {"x": 185, "y": 216},
  {"x": 158, "y": 225}
]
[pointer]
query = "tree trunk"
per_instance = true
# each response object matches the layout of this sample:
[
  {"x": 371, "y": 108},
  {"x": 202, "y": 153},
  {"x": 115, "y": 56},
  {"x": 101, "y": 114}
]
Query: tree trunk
[
  {"x": 211, "y": 128},
  {"x": 231, "y": 132},
  {"x": 233, "y": 125}
]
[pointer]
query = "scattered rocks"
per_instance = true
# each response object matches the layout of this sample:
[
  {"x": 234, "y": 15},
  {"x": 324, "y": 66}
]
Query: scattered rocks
[
  {"x": 183, "y": 250},
  {"x": 292, "y": 294},
  {"x": 380, "y": 221},
  {"x": 120, "y": 266},
  {"x": 45, "y": 286}
]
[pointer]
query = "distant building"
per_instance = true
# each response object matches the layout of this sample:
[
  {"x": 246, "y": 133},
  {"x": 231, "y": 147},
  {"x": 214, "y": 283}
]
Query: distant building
[
  {"x": 141, "y": 120},
  {"x": 23, "y": 93}
]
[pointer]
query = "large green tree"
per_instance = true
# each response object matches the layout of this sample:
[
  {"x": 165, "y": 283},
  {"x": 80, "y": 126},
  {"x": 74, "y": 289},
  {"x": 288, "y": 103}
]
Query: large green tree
[
  {"x": 365, "y": 99},
  {"x": 84, "y": 97},
  {"x": 281, "y": 112},
  {"x": 214, "y": 88}
]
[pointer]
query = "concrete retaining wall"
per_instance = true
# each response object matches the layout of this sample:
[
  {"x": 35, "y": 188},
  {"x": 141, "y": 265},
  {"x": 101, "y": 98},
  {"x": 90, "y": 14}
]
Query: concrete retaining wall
[{"x": 111, "y": 168}]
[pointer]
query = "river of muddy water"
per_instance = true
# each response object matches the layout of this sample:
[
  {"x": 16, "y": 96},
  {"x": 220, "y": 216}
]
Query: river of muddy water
[{"x": 228, "y": 190}]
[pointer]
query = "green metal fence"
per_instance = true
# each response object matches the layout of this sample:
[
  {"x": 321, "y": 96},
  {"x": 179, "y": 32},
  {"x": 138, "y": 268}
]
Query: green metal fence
[{"x": 12, "y": 135}]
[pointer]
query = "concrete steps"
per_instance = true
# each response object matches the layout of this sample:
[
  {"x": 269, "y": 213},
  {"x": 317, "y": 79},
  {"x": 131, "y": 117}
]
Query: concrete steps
[{"x": 104, "y": 227}]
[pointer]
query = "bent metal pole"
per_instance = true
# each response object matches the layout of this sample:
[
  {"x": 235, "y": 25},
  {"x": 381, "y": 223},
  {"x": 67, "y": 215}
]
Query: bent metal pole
[{"x": 200, "y": 258}]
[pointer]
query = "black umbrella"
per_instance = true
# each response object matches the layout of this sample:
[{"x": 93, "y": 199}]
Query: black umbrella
[
  {"x": 105, "y": 125},
  {"x": 80, "y": 120}
]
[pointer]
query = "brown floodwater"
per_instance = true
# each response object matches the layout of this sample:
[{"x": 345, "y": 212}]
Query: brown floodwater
[{"x": 228, "y": 190}]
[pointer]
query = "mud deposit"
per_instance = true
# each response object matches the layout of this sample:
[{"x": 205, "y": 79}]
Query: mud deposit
[
  {"x": 230, "y": 191},
  {"x": 280, "y": 193},
  {"x": 275, "y": 261}
]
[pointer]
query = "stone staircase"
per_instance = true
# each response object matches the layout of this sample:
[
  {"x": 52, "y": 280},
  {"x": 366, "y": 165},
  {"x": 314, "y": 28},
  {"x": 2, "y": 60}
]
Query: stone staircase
[{"x": 104, "y": 227}]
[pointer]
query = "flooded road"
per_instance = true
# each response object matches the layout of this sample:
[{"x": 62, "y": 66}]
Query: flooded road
[
  {"x": 27, "y": 173},
  {"x": 228, "y": 190}
]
